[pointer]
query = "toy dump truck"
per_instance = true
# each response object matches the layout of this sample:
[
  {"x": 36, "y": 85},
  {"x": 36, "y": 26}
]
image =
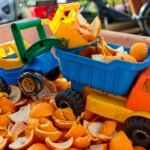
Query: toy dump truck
[
  {"x": 25, "y": 64},
  {"x": 118, "y": 78}
]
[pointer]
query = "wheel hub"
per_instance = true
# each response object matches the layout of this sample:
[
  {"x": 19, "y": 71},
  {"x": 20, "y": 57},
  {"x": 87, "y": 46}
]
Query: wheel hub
[{"x": 28, "y": 85}]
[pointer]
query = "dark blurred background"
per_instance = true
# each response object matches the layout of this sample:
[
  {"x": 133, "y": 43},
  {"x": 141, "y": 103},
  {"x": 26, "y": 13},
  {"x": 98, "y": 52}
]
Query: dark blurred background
[{"x": 128, "y": 16}]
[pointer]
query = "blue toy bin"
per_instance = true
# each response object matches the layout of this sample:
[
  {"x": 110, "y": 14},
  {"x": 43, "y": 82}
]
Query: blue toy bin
[{"x": 115, "y": 77}]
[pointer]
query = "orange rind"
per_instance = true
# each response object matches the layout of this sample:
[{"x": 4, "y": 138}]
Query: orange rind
[
  {"x": 68, "y": 114},
  {"x": 61, "y": 146},
  {"x": 22, "y": 142},
  {"x": 62, "y": 124},
  {"x": 41, "y": 135},
  {"x": 21, "y": 115},
  {"x": 6, "y": 105},
  {"x": 3, "y": 142},
  {"x": 48, "y": 127},
  {"x": 120, "y": 141},
  {"x": 59, "y": 114},
  {"x": 32, "y": 124},
  {"x": 4, "y": 120},
  {"x": 62, "y": 84},
  {"x": 108, "y": 128},
  {"x": 42, "y": 109},
  {"x": 99, "y": 147},
  {"x": 38, "y": 146},
  {"x": 88, "y": 115},
  {"x": 16, "y": 130},
  {"x": 77, "y": 130},
  {"x": 15, "y": 94},
  {"x": 81, "y": 142},
  {"x": 94, "y": 128}
]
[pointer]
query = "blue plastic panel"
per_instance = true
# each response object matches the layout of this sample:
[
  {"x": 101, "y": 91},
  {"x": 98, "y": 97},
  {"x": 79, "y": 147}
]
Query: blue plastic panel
[{"x": 115, "y": 77}]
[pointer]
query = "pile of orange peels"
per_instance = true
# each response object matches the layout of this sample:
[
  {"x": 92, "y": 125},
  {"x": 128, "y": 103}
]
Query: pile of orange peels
[
  {"x": 35, "y": 123},
  {"x": 105, "y": 53}
]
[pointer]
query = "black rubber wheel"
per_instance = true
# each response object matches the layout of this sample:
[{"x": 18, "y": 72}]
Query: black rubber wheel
[
  {"x": 31, "y": 83},
  {"x": 72, "y": 99},
  {"x": 53, "y": 74},
  {"x": 4, "y": 87},
  {"x": 144, "y": 22},
  {"x": 138, "y": 130}
]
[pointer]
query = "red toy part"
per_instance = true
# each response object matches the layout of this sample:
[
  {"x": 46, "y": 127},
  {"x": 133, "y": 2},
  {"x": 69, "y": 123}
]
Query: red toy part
[
  {"x": 43, "y": 12},
  {"x": 139, "y": 98}
]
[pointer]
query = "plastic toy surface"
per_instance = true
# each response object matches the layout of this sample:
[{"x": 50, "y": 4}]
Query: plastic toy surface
[
  {"x": 26, "y": 64},
  {"x": 61, "y": 24},
  {"x": 118, "y": 78}
]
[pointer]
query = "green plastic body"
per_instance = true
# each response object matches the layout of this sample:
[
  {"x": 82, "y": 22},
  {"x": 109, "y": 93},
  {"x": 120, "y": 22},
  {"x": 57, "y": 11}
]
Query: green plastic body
[{"x": 44, "y": 44}]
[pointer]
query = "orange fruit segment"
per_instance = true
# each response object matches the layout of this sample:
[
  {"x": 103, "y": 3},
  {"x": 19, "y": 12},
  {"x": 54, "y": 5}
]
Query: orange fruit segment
[
  {"x": 120, "y": 141},
  {"x": 61, "y": 146},
  {"x": 139, "y": 51},
  {"x": 38, "y": 146},
  {"x": 42, "y": 110},
  {"x": 77, "y": 130},
  {"x": 32, "y": 124},
  {"x": 81, "y": 142}
]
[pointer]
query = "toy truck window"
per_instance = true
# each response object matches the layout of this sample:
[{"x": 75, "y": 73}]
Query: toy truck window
[{"x": 146, "y": 86}]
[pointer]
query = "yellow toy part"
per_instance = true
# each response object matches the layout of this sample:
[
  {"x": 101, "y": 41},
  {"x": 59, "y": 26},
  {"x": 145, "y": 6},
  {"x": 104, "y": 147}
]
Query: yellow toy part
[
  {"x": 61, "y": 25},
  {"x": 8, "y": 49},
  {"x": 111, "y": 107}
]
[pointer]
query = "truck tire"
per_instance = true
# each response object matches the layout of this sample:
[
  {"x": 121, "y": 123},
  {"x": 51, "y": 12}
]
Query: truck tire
[
  {"x": 70, "y": 98},
  {"x": 138, "y": 130},
  {"x": 31, "y": 83},
  {"x": 53, "y": 74},
  {"x": 4, "y": 87}
]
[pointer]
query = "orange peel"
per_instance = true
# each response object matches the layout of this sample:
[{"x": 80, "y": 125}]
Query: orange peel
[
  {"x": 38, "y": 146},
  {"x": 77, "y": 130},
  {"x": 48, "y": 127},
  {"x": 15, "y": 94},
  {"x": 62, "y": 124},
  {"x": 88, "y": 115},
  {"x": 21, "y": 115},
  {"x": 81, "y": 142},
  {"x": 68, "y": 114},
  {"x": 120, "y": 141},
  {"x": 22, "y": 142},
  {"x": 3, "y": 142},
  {"x": 42, "y": 109},
  {"x": 99, "y": 147},
  {"x": 4, "y": 120},
  {"x": 6, "y": 105},
  {"x": 59, "y": 114},
  {"x": 61, "y": 146},
  {"x": 108, "y": 128},
  {"x": 41, "y": 135}
]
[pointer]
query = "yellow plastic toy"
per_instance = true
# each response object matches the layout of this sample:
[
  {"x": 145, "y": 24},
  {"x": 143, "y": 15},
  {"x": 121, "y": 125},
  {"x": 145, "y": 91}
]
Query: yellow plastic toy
[
  {"x": 61, "y": 27},
  {"x": 8, "y": 50}
]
